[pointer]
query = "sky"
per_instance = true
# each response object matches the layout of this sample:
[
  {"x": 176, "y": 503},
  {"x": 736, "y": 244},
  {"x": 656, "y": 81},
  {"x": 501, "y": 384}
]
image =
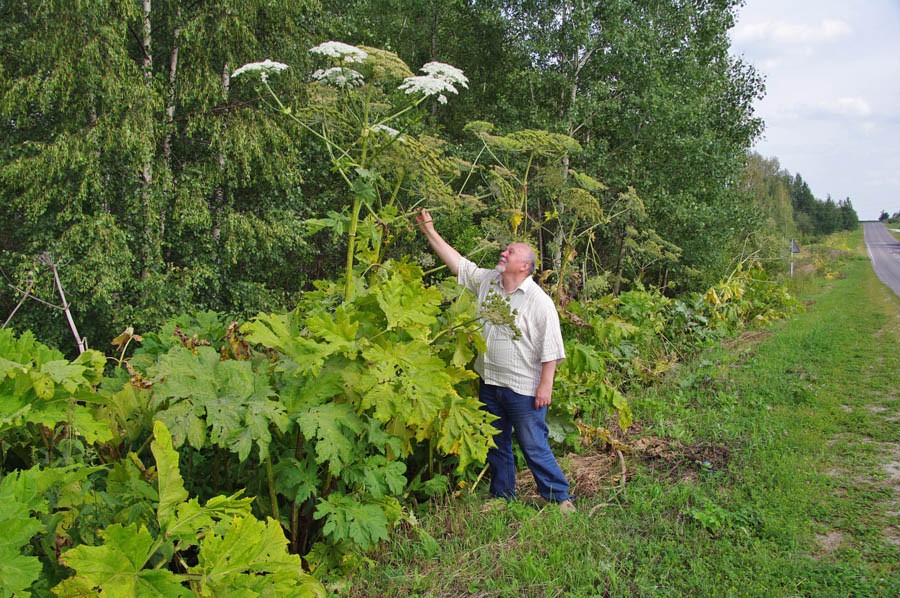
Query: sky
[{"x": 832, "y": 101}]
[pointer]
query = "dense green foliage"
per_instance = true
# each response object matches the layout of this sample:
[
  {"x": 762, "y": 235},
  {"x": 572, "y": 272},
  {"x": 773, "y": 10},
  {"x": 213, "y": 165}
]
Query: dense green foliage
[
  {"x": 815, "y": 217},
  {"x": 323, "y": 422},
  {"x": 160, "y": 178}
]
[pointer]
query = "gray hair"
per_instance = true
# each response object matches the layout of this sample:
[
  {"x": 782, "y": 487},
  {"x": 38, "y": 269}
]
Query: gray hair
[{"x": 531, "y": 258}]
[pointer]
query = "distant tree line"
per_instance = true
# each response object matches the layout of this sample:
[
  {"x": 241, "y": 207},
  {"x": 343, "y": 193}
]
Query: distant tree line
[
  {"x": 817, "y": 217},
  {"x": 790, "y": 205}
]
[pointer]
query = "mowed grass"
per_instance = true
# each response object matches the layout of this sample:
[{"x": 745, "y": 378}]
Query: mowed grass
[{"x": 769, "y": 466}]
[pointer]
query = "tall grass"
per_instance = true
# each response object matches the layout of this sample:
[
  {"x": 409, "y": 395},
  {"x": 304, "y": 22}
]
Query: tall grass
[{"x": 767, "y": 467}]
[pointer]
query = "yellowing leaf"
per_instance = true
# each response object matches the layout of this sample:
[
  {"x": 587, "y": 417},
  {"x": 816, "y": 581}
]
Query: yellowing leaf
[{"x": 514, "y": 221}]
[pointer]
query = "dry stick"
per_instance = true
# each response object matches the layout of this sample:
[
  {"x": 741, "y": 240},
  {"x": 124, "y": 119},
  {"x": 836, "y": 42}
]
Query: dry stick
[
  {"x": 38, "y": 299},
  {"x": 480, "y": 475},
  {"x": 26, "y": 293},
  {"x": 81, "y": 342}
]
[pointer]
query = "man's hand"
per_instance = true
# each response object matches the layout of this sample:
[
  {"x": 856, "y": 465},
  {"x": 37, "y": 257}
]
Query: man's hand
[
  {"x": 542, "y": 396},
  {"x": 423, "y": 217}
]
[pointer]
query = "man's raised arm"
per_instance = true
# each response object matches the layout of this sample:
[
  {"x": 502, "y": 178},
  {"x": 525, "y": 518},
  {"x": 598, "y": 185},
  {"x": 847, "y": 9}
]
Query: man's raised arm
[{"x": 443, "y": 249}]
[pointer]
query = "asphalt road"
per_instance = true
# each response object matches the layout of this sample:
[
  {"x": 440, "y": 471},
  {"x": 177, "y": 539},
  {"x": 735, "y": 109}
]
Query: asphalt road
[{"x": 884, "y": 251}]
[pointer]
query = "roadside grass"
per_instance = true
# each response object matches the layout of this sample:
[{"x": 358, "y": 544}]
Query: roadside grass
[{"x": 769, "y": 466}]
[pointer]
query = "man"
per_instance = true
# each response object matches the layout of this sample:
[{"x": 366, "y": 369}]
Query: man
[{"x": 516, "y": 370}]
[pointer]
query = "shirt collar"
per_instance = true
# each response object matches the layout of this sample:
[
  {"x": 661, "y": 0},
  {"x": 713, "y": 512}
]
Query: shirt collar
[{"x": 523, "y": 287}]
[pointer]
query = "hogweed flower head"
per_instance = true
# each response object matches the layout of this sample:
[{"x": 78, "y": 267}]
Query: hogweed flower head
[
  {"x": 263, "y": 68},
  {"x": 445, "y": 72},
  {"x": 340, "y": 77},
  {"x": 340, "y": 51},
  {"x": 441, "y": 78},
  {"x": 428, "y": 86}
]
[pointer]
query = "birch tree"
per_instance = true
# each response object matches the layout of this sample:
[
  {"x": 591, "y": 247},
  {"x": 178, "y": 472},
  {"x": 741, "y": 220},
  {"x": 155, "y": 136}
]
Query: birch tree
[{"x": 127, "y": 156}]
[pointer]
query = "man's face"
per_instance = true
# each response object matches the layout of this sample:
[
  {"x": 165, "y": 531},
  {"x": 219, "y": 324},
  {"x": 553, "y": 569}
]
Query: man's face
[{"x": 514, "y": 259}]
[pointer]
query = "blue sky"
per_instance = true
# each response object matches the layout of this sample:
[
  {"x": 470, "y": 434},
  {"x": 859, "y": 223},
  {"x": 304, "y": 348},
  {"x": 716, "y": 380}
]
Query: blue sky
[{"x": 832, "y": 104}]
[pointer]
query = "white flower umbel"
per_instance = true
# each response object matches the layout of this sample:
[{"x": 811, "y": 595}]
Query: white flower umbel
[
  {"x": 339, "y": 77},
  {"x": 446, "y": 72},
  {"x": 263, "y": 68},
  {"x": 341, "y": 51},
  {"x": 440, "y": 78},
  {"x": 428, "y": 86}
]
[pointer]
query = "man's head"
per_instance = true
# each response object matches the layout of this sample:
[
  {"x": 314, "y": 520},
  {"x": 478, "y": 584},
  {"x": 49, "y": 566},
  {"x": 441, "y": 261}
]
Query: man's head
[{"x": 517, "y": 260}]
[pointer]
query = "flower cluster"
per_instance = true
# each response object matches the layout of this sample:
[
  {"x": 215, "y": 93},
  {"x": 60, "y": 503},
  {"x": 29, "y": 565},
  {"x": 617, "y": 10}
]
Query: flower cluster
[
  {"x": 440, "y": 78},
  {"x": 340, "y": 77},
  {"x": 446, "y": 72},
  {"x": 341, "y": 51},
  {"x": 263, "y": 68}
]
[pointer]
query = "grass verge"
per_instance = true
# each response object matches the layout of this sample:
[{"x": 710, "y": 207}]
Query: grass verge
[{"x": 770, "y": 466}]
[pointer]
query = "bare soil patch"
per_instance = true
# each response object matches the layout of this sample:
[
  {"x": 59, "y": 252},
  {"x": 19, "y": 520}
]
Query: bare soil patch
[
  {"x": 828, "y": 543},
  {"x": 747, "y": 339},
  {"x": 605, "y": 470}
]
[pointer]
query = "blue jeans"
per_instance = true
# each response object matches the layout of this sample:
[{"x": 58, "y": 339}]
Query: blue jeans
[{"x": 517, "y": 412}]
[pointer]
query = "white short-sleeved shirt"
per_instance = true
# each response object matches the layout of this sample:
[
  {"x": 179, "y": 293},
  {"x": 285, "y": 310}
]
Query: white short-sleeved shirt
[{"x": 515, "y": 364}]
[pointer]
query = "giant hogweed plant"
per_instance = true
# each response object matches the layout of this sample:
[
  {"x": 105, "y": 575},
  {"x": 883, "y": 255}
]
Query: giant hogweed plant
[
  {"x": 541, "y": 199},
  {"x": 526, "y": 173},
  {"x": 370, "y": 370},
  {"x": 366, "y": 124}
]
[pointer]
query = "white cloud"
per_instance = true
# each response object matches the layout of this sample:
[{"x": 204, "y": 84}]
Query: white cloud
[
  {"x": 783, "y": 32},
  {"x": 846, "y": 107}
]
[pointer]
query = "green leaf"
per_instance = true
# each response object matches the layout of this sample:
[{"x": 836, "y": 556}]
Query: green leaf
[
  {"x": 406, "y": 302},
  {"x": 346, "y": 519},
  {"x": 303, "y": 392},
  {"x": 466, "y": 431},
  {"x": 171, "y": 485},
  {"x": 406, "y": 381},
  {"x": 117, "y": 567},
  {"x": 335, "y": 427},
  {"x": 295, "y": 479},
  {"x": 377, "y": 476},
  {"x": 226, "y": 397},
  {"x": 43, "y": 384},
  {"x": 364, "y": 188},
  {"x": 68, "y": 375},
  {"x": 186, "y": 421},
  {"x": 283, "y": 333},
  {"x": 336, "y": 222},
  {"x": 249, "y": 559},
  {"x": 17, "y": 572},
  {"x": 338, "y": 330},
  {"x": 186, "y": 375},
  {"x": 619, "y": 401}
]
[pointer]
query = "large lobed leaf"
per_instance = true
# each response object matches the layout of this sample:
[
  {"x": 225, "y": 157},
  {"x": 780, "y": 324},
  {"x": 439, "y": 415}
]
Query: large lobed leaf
[{"x": 203, "y": 398}]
